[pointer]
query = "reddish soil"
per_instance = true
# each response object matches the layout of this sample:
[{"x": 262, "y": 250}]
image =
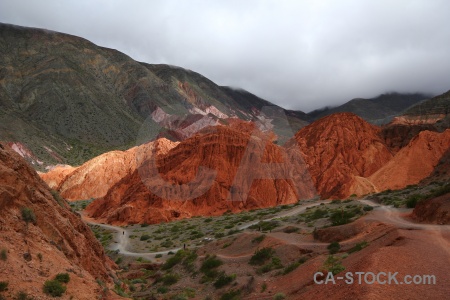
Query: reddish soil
[
  {"x": 435, "y": 211},
  {"x": 59, "y": 235}
]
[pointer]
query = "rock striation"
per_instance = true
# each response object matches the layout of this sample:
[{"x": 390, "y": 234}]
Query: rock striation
[
  {"x": 218, "y": 170},
  {"x": 338, "y": 150},
  {"x": 50, "y": 240},
  {"x": 414, "y": 162}
]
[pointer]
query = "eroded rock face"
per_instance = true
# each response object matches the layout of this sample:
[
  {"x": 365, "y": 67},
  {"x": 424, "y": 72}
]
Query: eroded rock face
[
  {"x": 397, "y": 136},
  {"x": 59, "y": 235},
  {"x": 338, "y": 148},
  {"x": 244, "y": 165},
  {"x": 435, "y": 210},
  {"x": 94, "y": 178},
  {"x": 414, "y": 162},
  {"x": 57, "y": 175}
]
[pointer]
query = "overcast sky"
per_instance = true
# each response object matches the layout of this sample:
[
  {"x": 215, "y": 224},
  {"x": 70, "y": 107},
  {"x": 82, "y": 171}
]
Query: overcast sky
[{"x": 298, "y": 54}]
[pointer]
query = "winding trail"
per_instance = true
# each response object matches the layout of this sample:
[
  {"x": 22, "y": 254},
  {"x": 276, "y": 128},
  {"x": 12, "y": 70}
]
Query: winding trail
[
  {"x": 382, "y": 213},
  {"x": 122, "y": 237}
]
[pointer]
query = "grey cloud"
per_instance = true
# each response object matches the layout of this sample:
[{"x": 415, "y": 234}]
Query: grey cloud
[{"x": 298, "y": 54}]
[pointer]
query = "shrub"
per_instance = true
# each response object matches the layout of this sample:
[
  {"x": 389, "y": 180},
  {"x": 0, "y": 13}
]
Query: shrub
[
  {"x": 279, "y": 296},
  {"x": 209, "y": 266},
  {"x": 303, "y": 259},
  {"x": 158, "y": 255},
  {"x": 219, "y": 235},
  {"x": 189, "y": 259},
  {"x": 166, "y": 244},
  {"x": 274, "y": 264},
  {"x": 341, "y": 217},
  {"x": 368, "y": 208},
  {"x": 291, "y": 268},
  {"x": 3, "y": 286},
  {"x": 28, "y": 215},
  {"x": 162, "y": 290},
  {"x": 39, "y": 255},
  {"x": 233, "y": 231},
  {"x": 145, "y": 237},
  {"x": 54, "y": 288},
  {"x": 119, "y": 290},
  {"x": 57, "y": 197},
  {"x": 263, "y": 287},
  {"x": 291, "y": 229},
  {"x": 261, "y": 256},
  {"x": 223, "y": 280},
  {"x": 62, "y": 277},
  {"x": 259, "y": 239},
  {"x": 265, "y": 225},
  {"x": 174, "y": 260},
  {"x": 4, "y": 255},
  {"x": 358, "y": 247},
  {"x": 441, "y": 191},
  {"x": 231, "y": 295},
  {"x": 413, "y": 200},
  {"x": 169, "y": 279},
  {"x": 209, "y": 263},
  {"x": 334, "y": 247},
  {"x": 333, "y": 265},
  {"x": 23, "y": 296}
]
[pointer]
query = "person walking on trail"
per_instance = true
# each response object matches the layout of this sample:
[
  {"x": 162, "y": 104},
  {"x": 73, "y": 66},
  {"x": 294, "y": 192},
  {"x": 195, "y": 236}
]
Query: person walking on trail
[{"x": 123, "y": 232}]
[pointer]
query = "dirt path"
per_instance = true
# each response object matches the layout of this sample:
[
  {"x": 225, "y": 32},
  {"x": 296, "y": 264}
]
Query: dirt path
[
  {"x": 382, "y": 213},
  {"x": 122, "y": 236}
]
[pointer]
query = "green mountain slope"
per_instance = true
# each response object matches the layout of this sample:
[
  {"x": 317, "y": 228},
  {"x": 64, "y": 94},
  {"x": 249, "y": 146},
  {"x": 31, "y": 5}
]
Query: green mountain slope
[
  {"x": 68, "y": 100},
  {"x": 439, "y": 105}
]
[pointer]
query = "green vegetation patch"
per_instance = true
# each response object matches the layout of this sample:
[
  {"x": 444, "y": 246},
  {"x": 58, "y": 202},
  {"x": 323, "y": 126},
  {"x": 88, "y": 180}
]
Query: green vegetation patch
[
  {"x": 261, "y": 256},
  {"x": 54, "y": 288}
]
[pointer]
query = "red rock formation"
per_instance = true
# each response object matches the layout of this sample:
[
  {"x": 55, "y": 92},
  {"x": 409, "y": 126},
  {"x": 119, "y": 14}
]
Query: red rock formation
[
  {"x": 59, "y": 235},
  {"x": 57, "y": 175},
  {"x": 441, "y": 171},
  {"x": 338, "y": 149},
  {"x": 95, "y": 177},
  {"x": 244, "y": 167},
  {"x": 413, "y": 162}
]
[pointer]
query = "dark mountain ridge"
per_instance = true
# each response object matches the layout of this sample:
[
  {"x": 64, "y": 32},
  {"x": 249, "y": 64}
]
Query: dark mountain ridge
[{"x": 379, "y": 110}]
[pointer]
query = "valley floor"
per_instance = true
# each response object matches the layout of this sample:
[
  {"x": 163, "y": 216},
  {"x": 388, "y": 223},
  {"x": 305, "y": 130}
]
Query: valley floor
[{"x": 382, "y": 239}]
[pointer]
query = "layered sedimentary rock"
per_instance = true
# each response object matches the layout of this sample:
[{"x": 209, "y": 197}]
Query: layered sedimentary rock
[
  {"x": 57, "y": 175},
  {"x": 217, "y": 170},
  {"x": 414, "y": 162},
  {"x": 42, "y": 237},
  {"x": 340, "y": 148},
  {"x": 94, "y": 178}
]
